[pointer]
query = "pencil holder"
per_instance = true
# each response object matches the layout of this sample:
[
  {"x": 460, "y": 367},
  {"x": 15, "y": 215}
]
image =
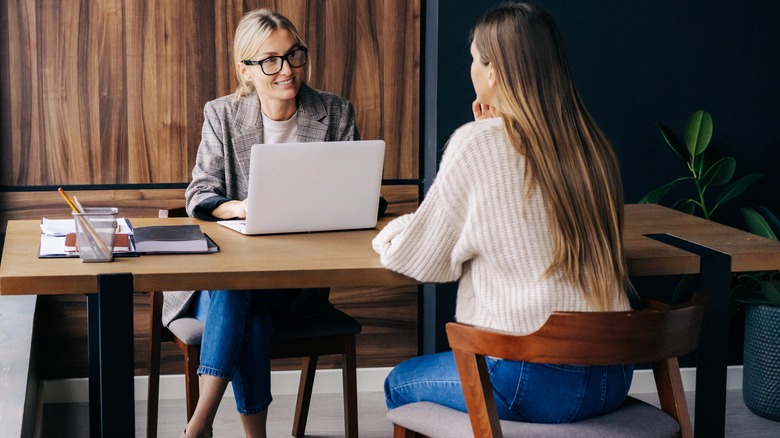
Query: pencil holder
[{"x": 95, "y": 230}]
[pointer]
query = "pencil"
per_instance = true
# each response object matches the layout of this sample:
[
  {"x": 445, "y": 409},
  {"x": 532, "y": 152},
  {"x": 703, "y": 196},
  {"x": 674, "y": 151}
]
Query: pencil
[{"x": 69, "y": 201}]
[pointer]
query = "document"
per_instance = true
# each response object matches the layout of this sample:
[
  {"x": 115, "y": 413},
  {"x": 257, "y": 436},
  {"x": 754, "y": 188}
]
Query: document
[{"x": 54, "y": 234}]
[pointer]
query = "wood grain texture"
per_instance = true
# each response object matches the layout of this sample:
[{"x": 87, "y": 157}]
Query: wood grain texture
[{"x": 112, "y": 92}]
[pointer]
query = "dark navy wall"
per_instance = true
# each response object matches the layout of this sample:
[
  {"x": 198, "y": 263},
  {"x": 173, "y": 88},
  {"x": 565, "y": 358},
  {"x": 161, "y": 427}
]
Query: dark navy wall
[{"x": 641, "y": 62}]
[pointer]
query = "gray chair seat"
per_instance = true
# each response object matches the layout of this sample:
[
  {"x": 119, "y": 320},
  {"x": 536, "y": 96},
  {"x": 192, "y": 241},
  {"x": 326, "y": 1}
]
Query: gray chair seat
[
  {"x": 635, "y": 419},
  {"x": 188, "y": 329}
]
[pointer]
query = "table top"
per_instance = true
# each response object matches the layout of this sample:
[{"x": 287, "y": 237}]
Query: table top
[
  {"x": 646, "y": 256},
  {"x": 343, "y": 259},
  {"x": 244, "y": 262}
]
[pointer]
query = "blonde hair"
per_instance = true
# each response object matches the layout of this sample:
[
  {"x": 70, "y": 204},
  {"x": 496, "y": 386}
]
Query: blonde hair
[
  {"x": 566, "y": 154},
  {"x": 251, "y": 33}
]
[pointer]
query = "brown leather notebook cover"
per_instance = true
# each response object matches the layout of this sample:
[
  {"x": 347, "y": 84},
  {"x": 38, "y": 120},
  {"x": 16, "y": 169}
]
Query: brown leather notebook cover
[{"x": 121, "y": 242}]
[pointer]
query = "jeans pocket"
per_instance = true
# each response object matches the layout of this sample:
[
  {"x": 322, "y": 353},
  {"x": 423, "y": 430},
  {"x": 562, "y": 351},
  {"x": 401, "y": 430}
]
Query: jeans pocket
[{"x": 549, "y": 393}]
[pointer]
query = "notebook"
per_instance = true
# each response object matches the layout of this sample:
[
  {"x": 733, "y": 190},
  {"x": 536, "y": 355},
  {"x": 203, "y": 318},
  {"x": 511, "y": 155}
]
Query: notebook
[{"x": 314, "y": 186}]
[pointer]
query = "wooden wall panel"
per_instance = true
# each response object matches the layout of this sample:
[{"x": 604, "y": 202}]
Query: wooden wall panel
[
  {"x": 170, "y": 67},
  {"x": 112, "y": 91}
]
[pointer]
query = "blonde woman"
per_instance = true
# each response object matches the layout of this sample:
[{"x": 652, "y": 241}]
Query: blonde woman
[
  {"x": 272, "y": 104},
  {"x": 526, "y": 212}
]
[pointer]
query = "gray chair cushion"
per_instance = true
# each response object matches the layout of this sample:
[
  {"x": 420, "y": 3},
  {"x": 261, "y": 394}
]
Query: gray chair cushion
[
  {"x": 635, "y": 419},
  {"x": 188, "y": 329}
]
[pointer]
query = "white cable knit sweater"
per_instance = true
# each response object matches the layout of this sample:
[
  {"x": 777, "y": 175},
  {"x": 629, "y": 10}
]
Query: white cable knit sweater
[{"x": 476, "y": 226}]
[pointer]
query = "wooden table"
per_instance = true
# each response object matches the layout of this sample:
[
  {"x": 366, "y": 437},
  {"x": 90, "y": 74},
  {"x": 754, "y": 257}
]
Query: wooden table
[
  {"x": 690, "y": 245},
  {"x": 339, "y": 259},
  {"x": 748, "y": 252}
]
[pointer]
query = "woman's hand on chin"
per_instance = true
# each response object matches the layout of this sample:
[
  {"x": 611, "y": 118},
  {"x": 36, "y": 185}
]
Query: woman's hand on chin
[{"x": 482, "y": 110}]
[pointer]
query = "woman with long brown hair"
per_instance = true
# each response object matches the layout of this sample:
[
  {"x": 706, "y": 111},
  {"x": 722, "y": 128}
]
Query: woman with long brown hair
[{"x": 526, "y": 212}]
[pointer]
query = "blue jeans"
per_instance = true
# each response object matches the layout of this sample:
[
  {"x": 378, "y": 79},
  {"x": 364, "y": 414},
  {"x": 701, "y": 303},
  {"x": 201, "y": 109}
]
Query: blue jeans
[
  {"x": 523, "y": 391},
  {"x": 238, "y": 326}
]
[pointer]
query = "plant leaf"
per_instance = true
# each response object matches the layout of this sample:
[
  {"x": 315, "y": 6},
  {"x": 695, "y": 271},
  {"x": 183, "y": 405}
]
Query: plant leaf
[
  {"x": 774, "y": 223},
  {"x": 686, "y": 206},
  {"x": 677, "y": 146},
  {"x": 698, "y": 132},
  {"x": 752, "y": 298},
  {"x": 756, "y": 223},
  {"x": 684, "y": 288},
  {"x": 771, "y": 292},
  {"x": 719, "y": 173},
  {"x": 735, "y": 188},
  {"x": 658, "y": 194}
]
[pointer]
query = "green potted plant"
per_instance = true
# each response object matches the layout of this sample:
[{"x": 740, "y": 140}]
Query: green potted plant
[
  {"x": 760, "y": 292},
  {"x": 705, "y": 176}
]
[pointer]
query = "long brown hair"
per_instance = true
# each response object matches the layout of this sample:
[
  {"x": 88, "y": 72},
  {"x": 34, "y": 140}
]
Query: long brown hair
[{"x": 566, "y": 154}]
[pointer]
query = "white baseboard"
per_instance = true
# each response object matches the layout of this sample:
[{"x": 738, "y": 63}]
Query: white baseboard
[
  {"x": 327, "y": 381},
  {"x": 172, "y": 386},
  {"x": 644, "y": 383}
]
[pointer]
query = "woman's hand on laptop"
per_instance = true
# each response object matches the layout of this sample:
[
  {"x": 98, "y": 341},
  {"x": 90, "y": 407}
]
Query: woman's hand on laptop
[{"x": 230, "y": 210}]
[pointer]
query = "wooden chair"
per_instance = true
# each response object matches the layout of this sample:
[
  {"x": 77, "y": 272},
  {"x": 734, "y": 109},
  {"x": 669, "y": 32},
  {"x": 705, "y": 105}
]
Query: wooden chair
[
  {"x": 657, "y": 335},
  {"x": 307, "y": 338}
]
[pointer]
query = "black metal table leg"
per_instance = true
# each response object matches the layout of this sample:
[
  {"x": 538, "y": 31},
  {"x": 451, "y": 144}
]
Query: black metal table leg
[
  {"x": 93, "y": 347},
  {"x": 712, "y": 356},
  {"x": 436, "y": 307},
  {"x": 112, "y": 405}
]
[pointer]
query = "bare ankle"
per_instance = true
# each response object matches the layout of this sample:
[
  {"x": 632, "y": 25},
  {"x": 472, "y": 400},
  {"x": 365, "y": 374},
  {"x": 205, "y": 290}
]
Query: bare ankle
[{"x": 254, "y": 425}]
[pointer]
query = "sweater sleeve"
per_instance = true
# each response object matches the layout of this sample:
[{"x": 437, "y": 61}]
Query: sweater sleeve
[{"x": 430, "y": 245}]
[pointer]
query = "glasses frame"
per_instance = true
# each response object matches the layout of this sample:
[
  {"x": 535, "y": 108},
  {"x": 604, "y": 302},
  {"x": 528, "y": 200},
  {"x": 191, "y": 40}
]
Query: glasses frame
[{"x": 284, "y": 58}]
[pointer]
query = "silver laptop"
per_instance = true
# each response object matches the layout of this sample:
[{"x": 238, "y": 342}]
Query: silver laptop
[{"x": 315, "y": 186}]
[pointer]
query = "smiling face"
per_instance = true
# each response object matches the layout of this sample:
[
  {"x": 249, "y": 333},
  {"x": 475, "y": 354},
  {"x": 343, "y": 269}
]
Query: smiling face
[{"x": 277, "y": 92}]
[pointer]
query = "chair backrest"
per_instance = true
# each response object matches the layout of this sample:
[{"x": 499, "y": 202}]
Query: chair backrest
[
  {"x": 593, "y": 338},
  {"x": 657, "y": 334}
]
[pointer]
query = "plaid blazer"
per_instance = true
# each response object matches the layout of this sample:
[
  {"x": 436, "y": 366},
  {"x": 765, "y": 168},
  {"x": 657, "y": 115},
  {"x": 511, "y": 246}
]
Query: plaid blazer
[{"x": 230, "y": 128}]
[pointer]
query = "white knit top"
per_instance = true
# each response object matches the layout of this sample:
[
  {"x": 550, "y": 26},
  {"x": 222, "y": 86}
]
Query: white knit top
[{"x": 475, "y": 225}]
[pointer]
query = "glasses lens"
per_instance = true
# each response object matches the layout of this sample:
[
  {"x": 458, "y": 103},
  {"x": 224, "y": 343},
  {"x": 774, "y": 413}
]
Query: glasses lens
[
  {"x": 297, "y": 58},
  {"x": 271, "y": 65}
]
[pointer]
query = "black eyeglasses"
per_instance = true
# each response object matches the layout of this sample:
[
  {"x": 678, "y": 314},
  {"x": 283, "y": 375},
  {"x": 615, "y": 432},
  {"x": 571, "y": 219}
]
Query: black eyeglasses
[{"x": 273, "y": 64}]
